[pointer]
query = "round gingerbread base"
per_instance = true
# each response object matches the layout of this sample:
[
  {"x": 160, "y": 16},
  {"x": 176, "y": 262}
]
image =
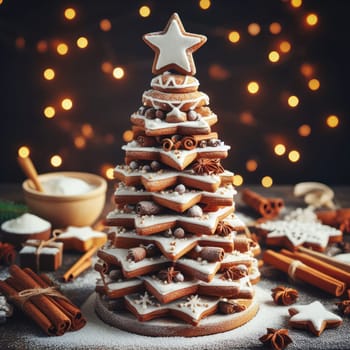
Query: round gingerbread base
[{"x": 166, "y": 327}]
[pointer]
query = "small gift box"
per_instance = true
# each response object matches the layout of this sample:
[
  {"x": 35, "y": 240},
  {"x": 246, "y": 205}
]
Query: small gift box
[{"x": 41, "y": 255}]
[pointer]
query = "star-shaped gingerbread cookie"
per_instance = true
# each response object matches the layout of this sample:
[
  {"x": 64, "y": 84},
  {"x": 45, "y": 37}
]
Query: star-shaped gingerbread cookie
[
  {"x": 313, "y": 317},
  {"x": 81, "y": 238},
  {"x": 174, "y": 47}
]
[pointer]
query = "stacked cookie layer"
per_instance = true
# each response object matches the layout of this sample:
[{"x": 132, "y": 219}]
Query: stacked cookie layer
[{"x": 176, "y": 247}]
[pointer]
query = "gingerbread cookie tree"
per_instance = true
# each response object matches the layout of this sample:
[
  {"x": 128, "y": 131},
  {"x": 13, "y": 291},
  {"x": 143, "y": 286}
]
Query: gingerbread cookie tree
[{"x": 178, "y": 261}]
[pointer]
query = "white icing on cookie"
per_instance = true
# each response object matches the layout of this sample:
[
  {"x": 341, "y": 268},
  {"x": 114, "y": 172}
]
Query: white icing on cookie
[
  {"x": 167, "y": 81},
  {"x": 81, "y": 233}
]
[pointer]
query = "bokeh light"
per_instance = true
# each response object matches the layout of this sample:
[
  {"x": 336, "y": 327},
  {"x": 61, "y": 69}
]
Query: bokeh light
[
  {"x": 23, "y": 152},
  {"x": 267, "y": 181},
  {"x": 332, "y": 121},
  {"x": 311, "y": 19},
  {"x": 49, "y": 74},
  {"x": 234, "y": 37},
  {"x": 274, "y": 56},
  {"x": 62, "y": 49},
  {"x": 275, "y": 28},
  {"x": 238, "y": 180},
  {"x": 118, "y": 73},
  {"x": 144, "y": 11},
  {"x": 41, "y": 46},
  {"x": 67, "y": 104},
  {"x": 254, "y": 29},
  {"x": 280, "y": 149},
  {"x": 296, "y": 3},
  {"x": 105, "y": 25},
  {"x": 56, "y": 161},
  {"x": 20, "y": 43},
  {"x": 49, "y": 112},
  {"x": 293, "y": 101},
  {"x": 107, "y": 67},
  {"x": 204, "y": 4},
  {"x": 82, "y": 42},
  {"x": 251, "y": 165},
  {"x": 294, "y": 156},
  {"x": 306, "y": 70},
  {"x": 87, "y": 130},
  {"x": 304, "y": 130},
  {"x": 285, "y": 46},
  {"x": 253, "y": 87},
  {"x": 314, "y": 84},
  {"x": 69, "y": 13},
  {"x": 79, "y": 142},
  {"x": 128, "y": 135}
]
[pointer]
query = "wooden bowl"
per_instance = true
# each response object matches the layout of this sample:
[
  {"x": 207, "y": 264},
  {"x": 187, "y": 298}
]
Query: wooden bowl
[{"x": 67, "y": 210}]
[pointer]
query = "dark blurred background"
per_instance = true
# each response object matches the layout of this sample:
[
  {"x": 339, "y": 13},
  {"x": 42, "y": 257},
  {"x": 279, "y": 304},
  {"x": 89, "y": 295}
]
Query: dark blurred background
[{"x": 294, "y": 48}]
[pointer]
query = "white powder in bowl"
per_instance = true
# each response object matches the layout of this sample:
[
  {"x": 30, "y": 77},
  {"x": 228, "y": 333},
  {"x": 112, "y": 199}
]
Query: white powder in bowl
[
  {"x": 26, "y": 223},
  {"x": 66, "y": 186}
]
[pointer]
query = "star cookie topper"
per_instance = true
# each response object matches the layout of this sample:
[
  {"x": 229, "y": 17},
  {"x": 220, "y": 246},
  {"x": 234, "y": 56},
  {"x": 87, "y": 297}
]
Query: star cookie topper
[{"x": 174, "y": 47}]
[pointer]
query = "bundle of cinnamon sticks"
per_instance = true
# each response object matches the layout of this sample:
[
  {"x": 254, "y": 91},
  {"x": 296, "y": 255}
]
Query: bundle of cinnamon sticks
[
  {"x": 309, "y": 268},
  {"x": 37, "y": 296}
]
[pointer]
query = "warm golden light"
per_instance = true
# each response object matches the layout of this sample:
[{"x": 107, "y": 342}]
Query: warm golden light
[
  {"x": 105, "y": 25},
  {"x": 314, "y": 84},
  {"x": 296, "y": 3},
  {"x": 69, "y": 13},
  {"x": 41, "y": 46},
  {"x": 49, "y": 73},
  {"x": 144, "y": 11},
  {"x": 1, "y": 2},
  {"x": 306, "y": 70},
  {"x": 275, "y": 28},
  {"x": 82, "y": 42},
  {"x": 274, "y": 56},
  {"x": 311, "y": 19},
  {"x": 109, "y": 173},
  {"x": 254, "y": 29},
  {"x": 234, "y": 37},
  {"x": 253, "y": 87},
  {"x": 237, "y": 180},
  {"x": 107, "y": 67},
  {"x": 79, "y": 142},
  {"x": 128, "y": 135},
  {"x": 62, "y": 49},
  {"x": 87, "y": 130},
  {"x": 266, "y": 181},
  {"x": 118, "y": 73},
  {"x": 304, "y": 130},
  {"x": 293, "y": 101},
  {"x": 285, "y": 46},
  {"x": 23, "y": 152},
  {"x": 204, "y": 4},
  {"x": 56, "y": 161},
  {"x": 251, "y": 165},
  {"x": 67, "y": 104},
  {"x": 280, "y": 149},
  {"x": 49, "y": 112},
  {"x": 332, "y": 121},
  {"x": 293, "y": 156}
]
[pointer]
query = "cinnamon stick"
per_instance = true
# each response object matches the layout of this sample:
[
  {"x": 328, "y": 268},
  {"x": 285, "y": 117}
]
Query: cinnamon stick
[
  {"x": 29, "y": 309},
  {"x": 83, "y": 263},
  {"x": 71, "y": 310},
  {"x": 338, "y": 218},
  {"x": 20, "y": 281},
  {"x": 328, "y": 259},
  {"x": 266, "y": 208},
  {"x": 319, "y": 265},
  {"x": 7, "y": 253},
  {"x": 298, "y": 270}
]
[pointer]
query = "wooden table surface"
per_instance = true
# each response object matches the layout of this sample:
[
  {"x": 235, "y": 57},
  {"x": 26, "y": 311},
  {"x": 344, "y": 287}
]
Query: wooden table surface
[{"x": 18, "y": 330}]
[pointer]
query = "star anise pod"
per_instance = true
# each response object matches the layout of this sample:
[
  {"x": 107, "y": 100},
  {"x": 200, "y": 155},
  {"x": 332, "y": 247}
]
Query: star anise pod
[
  {"x": 284, "y": 296},
  {"x": 208, "y": 166},
  {"x": 235, "y": 272},
  {"x": 170, "y": 275},
  {"x": 223, "y": 228},
  {"x": 344, "y": 307},
  {"x": 277, "y": 338}
]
